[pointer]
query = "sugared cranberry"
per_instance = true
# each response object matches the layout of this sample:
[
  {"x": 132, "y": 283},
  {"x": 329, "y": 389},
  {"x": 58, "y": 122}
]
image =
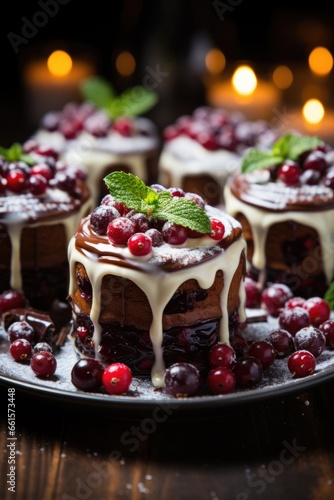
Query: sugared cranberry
[
  {"x": 221, "y": 380},
  {"x": 282, "y": 342},
  {"x": 140, "y": 244},
  {"x": 174, "y": 234},
  {"x": 182, "y": 380},
  {"x": 123, "y": 126},
  {"x": 222, "y": 354},
  {"x": 274, "y": 297},
  {"x": 196, "y": 198},
  {"x": 294, "y": 319},
  {"x": 141, "y": 222},
  {"x": 301, "y": 364},
  {"x": 217, "y": 229},
  {"x": 289, "y": 173},
  {"x": 327, "y": 328},
  {"x": 16, "y": 181},
  {"x": 21, "y": 330},
  {"x": 119, "y": 230},
  {"x": 64, "y": 181},
  {"x": 263, "y": 351},
  {"x": 42, "y": 169},
  {"x": 116, "y": 378},
  {"x": 42, "y": 346},
  {"x": 310, "y": 339},
  {"x": 20, "y": 350},
  {"x": 207, "y": 140},
  {"x": 45, "y": 150},
  {"x": 171, "y": 132},
  {"x": 37, "y": 184},
  {"x": 158, "y": 188},
  {"x": 86, "y": 375},
  {"x": 101, "y": 217},
  {"x": 176, "y": 192},
  {"x": 11, "y": 299},
  {"x": 318, "y": 309},
  {"x": 155, "y": 236},
  {"x": 247, "y": 371},
  {"x": 252, "y": 291},
  {"x": 310, "y": 177},
  {"x": 50, "y": 121},
  {"x": 294, "y": 302},
  {"x": 316, "y": 160},
  {"x": 120, "y": 207},
  {"x": 43, "y": 364}
]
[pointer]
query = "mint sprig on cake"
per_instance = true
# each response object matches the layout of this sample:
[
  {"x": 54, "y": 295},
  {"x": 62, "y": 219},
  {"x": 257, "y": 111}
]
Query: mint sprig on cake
[
  {"x": 288, "y": 147},
  {"x": 134, "y": 101},
  {"x": 132, "y": 191}
]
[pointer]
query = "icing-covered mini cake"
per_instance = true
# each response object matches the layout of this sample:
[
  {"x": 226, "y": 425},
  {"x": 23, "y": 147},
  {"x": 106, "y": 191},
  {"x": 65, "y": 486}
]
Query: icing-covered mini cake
[
  {"x": 284, "y": 199},
  {"x": 42, "y": 201},
  {"x": 202, "y": 150},
  {"x": 157, "y": 276},
  {"x": 104, "y": 135}
]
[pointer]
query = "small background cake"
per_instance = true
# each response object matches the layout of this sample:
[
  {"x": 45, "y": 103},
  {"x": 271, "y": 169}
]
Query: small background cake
[
  {"x": 284, "y": 199},
  {"x": 201, "y": 151},
  {"x": 41, "y": 203},
  {"x": 104, "y": 133},
  {"x": 156, "y": 277}
]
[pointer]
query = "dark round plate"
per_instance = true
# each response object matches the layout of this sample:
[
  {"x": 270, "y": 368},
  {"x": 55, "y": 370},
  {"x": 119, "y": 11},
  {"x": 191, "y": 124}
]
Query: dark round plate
[{"x": 277, "y": 381}]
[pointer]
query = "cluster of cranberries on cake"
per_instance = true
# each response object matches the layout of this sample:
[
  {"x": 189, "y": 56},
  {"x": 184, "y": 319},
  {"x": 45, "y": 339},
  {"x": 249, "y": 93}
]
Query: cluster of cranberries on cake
[
  {"x": 156, "y": 278},
  {"x": 103, "y": 136},
  {"x": 42, "y": 200},
  {"x": 202, "y": 149},
  {"x": 284, "y": 199}
]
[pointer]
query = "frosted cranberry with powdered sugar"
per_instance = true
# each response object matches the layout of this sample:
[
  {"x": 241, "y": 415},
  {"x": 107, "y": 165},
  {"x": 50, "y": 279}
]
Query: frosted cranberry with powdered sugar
[
  {"x": 310, "y": 339},
  {"x": 319, "y": 310},
  {"x": 274, "y": 297},
  {"x": 282, "y": 342},
  {"x": 327, "y": 328},
  {"x": 294, "y": 319}
]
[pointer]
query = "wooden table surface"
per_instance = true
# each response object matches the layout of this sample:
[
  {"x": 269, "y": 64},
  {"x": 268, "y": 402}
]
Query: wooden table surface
[{"x": 279, "y": 448}]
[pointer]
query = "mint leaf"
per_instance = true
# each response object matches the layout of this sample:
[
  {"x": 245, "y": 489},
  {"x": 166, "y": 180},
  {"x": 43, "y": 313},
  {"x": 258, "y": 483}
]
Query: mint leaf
[
  {"x": 15, "y": 153},
  {"x": 134, "y": 101},
  {"x": 99, "y": 91},
  {"x": 258, "y": 159},
  {"x": 133, "y": 192},
  {"x": 183, "y": 212},
  {"x": 329, "y": 296},
  {"x": 289, "y": 146}
]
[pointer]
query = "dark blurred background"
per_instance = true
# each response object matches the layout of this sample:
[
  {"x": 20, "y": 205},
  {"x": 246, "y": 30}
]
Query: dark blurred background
[{"x": 167, "y": 39}]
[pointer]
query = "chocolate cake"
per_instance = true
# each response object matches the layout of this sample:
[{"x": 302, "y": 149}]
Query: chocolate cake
[
  {"x": 105, "y": 135},
  {"x": 157, "y": 276},
  {"x": 200, "y": 151},
  {"x": 284, "y": 199},
  {"x": 41, "y": 203}
]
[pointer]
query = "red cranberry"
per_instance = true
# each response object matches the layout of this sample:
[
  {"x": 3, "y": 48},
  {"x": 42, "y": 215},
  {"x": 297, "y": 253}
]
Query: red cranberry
[
  {"x": 294, "y": 319},
  {"x": 16, "y": 181},
  {"x": 301, "y": 364},
  {"x": 42, "y": 169},
  {"x": 289, "y": 173},
  {"x": 217, "y": 229},
  {"x": 310, "y": 339},
  {"x": 174, "y": 234},
  {"x": 282, "y": 342},
  {"x": 119, "y": 230},
  {"x": 11, "y": 299},
  {"x": 274, "y": 297},
  {"x": 176, "y": 192},
  {"x": 123, "y": 126},
  {"x": 252, "y": 291},
  {"x": 141, "y": 222},
  {"x": 327, "y": 328},
  {"x": 221, "y": 380},
  {"x": 101, "y": 217},
  {"x": 263, "y": 351},
  {"x": 140, "y": 244},
  {"x": 316, "y": 160},
  {"x": 116, "y": 378},
  {"x": 310, "y": 177},
  {"x": 20, "y": 350},
  {"x": 319, "y": 310},
  {"x": 155, "y": 236},
  {"x": 294, "y": 302},
  {"x": 247, "y": 371},
  {"x": 45, "y": 150},
  {"x": 37, "y": 184},
  {"x": 222, "y": 354},
  {"x": 196, "y": 198},
  {"x": 86, "y": 375},
  {"x": 171, "y": 132},
  {"x": 43, "y": 364},
  {"x": 21, "y": 330},
  {"x": 182, "y": 380}
]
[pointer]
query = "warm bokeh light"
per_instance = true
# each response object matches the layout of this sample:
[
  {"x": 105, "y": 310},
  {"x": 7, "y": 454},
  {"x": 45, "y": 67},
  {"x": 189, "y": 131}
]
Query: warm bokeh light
[
  {"x": 125, "y": 63},
  {"x": 59, "y": 63},
  {"x": 320, "y": 61},
  {"x": 244, "y": 80},
  {"x": 313, "y": 111},
  {"x": 215, "y": 61},
  {"x": 282, "y": 77}
]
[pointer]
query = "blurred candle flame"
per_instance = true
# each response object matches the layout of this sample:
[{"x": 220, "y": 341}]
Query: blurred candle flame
[
  {"x": 59, "y": 63},
  {"x": 313, "y": 111},
  {"x": 320, "y": 61},
  {"x": 244, "y": 80}
]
